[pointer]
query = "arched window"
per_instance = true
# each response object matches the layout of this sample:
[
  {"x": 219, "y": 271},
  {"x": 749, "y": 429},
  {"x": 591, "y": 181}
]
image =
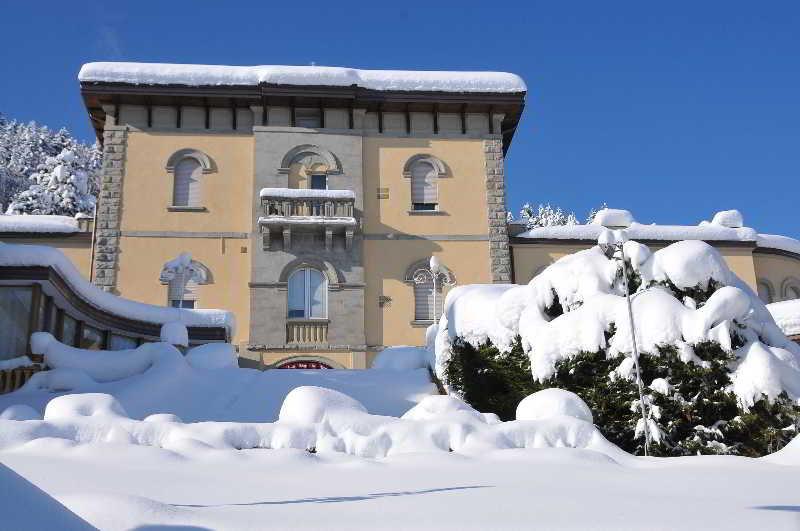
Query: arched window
[
  {"x": 765, "y": 291},
  {"x": 182, "y": 275},
  {"x": 790, "y": 289},
  {"x": 186, "y": 187},
  {"x": 424, "y": 186},
  {"x": 308, "y": 295},
  {"x": 423, "y": 297}
]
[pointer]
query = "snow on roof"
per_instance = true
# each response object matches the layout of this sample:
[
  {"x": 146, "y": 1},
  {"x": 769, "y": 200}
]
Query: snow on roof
[
  {"x": 37, "y": 223},
  {"x": 41, "y": 255},
  {"x": 613, "y": 217},
  {"x": 307, "y": 193},
  {"x": 205, "y": 75},
  {"x": 787, "y": 316},
  {"x": 727, "y": 226}
]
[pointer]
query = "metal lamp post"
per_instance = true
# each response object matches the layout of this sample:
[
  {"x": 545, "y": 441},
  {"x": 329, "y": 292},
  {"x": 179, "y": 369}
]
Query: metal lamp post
[{"x": 616, "y": 241}]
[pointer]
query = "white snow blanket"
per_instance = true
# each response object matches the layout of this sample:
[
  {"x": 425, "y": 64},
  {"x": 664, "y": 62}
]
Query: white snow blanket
[
  {"x": 787, "y": 316},
  {"x": 328, "y": 76},
  {"x": 37, "y": 223},
  {"x": 588, "y": 286}
]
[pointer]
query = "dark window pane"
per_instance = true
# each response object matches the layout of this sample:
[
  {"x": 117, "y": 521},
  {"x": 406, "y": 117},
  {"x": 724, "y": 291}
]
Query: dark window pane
[
  {"x": 68, "y": 330},
  {"x": 424, "y": 206},
  {"x": 15, "y": 314},
  {"x": 319, "y": 182},
  {"x": 121, "y": 342}
]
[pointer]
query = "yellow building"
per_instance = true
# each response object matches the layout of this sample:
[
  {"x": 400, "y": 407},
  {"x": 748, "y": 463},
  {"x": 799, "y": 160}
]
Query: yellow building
[{"x": 310, "y": 199}]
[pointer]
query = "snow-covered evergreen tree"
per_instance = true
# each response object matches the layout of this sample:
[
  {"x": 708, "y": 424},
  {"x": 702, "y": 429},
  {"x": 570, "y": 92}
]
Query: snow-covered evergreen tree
[
  {"x": 24, "y": 151},
  {"x": 60, "y": 186},
  {"x": 593, "y": 212},
  {"x": 546, "y": 216}
]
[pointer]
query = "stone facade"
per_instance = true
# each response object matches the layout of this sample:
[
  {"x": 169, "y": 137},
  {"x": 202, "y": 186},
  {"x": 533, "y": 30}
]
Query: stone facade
[
  {"x": 499, "y": 254},
  {"x": 109, "y": 205}
]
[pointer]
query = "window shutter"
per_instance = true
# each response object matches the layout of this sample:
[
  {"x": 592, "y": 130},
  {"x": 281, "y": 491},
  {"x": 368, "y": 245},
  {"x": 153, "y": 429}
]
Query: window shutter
[
  {"x": 423, "y": 301},
  {"x": 423, "y": 184},
  {"x": 186, "y": 191}
]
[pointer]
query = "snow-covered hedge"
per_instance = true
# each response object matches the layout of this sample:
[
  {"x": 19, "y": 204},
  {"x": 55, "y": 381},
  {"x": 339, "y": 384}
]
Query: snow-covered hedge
[{"x": 686, "y": 303}]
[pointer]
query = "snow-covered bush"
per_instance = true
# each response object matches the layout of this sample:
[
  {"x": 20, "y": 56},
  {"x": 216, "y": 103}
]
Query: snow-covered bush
[
  {"x": 720, "y": 376},
  {"x": 25, "y": 148}
]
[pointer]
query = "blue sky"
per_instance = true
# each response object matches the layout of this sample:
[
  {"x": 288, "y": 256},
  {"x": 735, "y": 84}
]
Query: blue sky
[{"x": 673, "y": 110}]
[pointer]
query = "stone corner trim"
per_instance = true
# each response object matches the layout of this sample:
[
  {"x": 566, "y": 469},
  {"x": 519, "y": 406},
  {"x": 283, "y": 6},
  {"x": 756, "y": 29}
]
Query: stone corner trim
[
  {"x": 499, "y": 254},
  {"x": 106, "y": 252}
]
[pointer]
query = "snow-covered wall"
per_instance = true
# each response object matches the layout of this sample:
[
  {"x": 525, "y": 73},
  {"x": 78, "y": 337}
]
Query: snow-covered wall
[{"x": 329, "y": 76}]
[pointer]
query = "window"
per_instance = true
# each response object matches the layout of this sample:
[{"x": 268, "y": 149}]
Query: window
[
  {"x": 319, "y": 182},
  {"x": 69, "y": 329},
  {"x": 790, "y": 289},
  {"x": 307, "y": 118},
  {"x": 182, "y": 291},
  {"x": 423, "y": 298},
  {"x": 765, "y": 291},
  {"x": 121, "y": 342},
  {"x": 307, "y": 295},
  {"x": 15, "y": 314},
  {"x": 186, "y": 191},
  {"x": 424, "y": 187},
  {"x": 91, "y": 338}
]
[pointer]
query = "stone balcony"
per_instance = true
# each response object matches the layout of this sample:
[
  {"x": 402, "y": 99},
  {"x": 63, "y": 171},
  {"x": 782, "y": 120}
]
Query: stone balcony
[{"x": 309, "y": 213}]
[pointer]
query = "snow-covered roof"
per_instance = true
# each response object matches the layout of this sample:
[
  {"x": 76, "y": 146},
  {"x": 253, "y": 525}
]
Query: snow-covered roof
[
  {"x": 307, "y": 193},
  {"x": 329, "y": 76},
  {"x": 725, "y": 227},
  {"x": 44, "y": 256},
  {"x": 36, "y": 223},
  {"x": 787, "y": 316}
]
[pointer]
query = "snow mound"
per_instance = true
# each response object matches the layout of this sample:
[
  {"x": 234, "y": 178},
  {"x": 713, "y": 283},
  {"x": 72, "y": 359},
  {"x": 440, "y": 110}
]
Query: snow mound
[
  {"x": 213, "y": 356},
  {"x": 553, "y": 402},
  {"x": 402, "y": 358},
  {"x": 309, "y": 404},
  {"x": 84, "y": 405},
  {"x": 577, "y": 305},
  {"x": 440, "y": 407},
  {"x": 15, "y": 363},
  {"x": 20, "y": 412},
  {"x": 613, "y": 217},
  {"x": 728, "y": 218},
  {"x": 175, "y": 333},
  {"x": 100, "y": 365},
  {"x": 37, "y": 223},
  {"x": 59, "y": 380},
  {"x": 162, "y": 417},
  {"x": 787, "y": 316}
]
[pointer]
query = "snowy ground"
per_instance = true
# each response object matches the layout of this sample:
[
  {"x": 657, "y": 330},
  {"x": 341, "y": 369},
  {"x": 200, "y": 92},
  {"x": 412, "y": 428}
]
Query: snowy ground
[{"x": 131, "y": 487}]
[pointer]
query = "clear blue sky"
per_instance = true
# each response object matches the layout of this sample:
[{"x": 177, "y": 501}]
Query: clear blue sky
[{"x": 673, "y": 110}]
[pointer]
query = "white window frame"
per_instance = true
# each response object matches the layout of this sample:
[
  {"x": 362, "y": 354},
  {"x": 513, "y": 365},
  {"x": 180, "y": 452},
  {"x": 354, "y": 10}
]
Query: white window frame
[{"x": 306, "y": 272}]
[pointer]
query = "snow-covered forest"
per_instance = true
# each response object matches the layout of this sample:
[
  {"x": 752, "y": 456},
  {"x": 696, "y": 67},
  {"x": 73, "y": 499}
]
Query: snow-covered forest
[{"x": 44, "y": 171}]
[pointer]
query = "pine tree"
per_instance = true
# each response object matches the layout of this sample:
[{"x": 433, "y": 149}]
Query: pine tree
[
  {"x": 61, "y": 187},
  {"x": 546, "y": 216},
  {"x": 25, "y": 148}
]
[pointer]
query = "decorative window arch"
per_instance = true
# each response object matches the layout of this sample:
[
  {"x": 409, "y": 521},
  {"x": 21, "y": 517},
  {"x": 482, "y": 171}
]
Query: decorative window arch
[
  {"x": 790, "y": 289},
  {"x": 308, "y": 294},
  {"x": 182, "y": 277},
  {"x": 187, "y": 167},
  {"x": 424, "y": 172},
  {"x": 318, "y": 160},
  {"x": 419, "y": 276},
  {"x": 766, "y": 292}
]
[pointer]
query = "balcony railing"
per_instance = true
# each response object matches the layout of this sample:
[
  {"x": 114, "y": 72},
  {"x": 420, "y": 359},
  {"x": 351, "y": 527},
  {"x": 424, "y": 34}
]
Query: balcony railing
[
  {"x": 331, "y": 208},
  {"x": 306, "y": 332}
]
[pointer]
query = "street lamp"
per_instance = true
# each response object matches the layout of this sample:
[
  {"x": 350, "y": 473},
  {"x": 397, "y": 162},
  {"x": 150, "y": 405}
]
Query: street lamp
[
  {"x": 615, "y": 242},
  {"x": 438, "y": 274}
]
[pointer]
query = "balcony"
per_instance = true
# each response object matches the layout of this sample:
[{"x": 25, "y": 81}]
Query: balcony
[
  {"x": 311, "y": 213},
  {"x": 307, "y": 332}
]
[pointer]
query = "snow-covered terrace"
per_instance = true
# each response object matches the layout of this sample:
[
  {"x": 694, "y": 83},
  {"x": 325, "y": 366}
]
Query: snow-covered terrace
[
  {"x": 787, "y": 316},
  {"x": 327, "y": 76},
  {"x": 723, "y": 228}
]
